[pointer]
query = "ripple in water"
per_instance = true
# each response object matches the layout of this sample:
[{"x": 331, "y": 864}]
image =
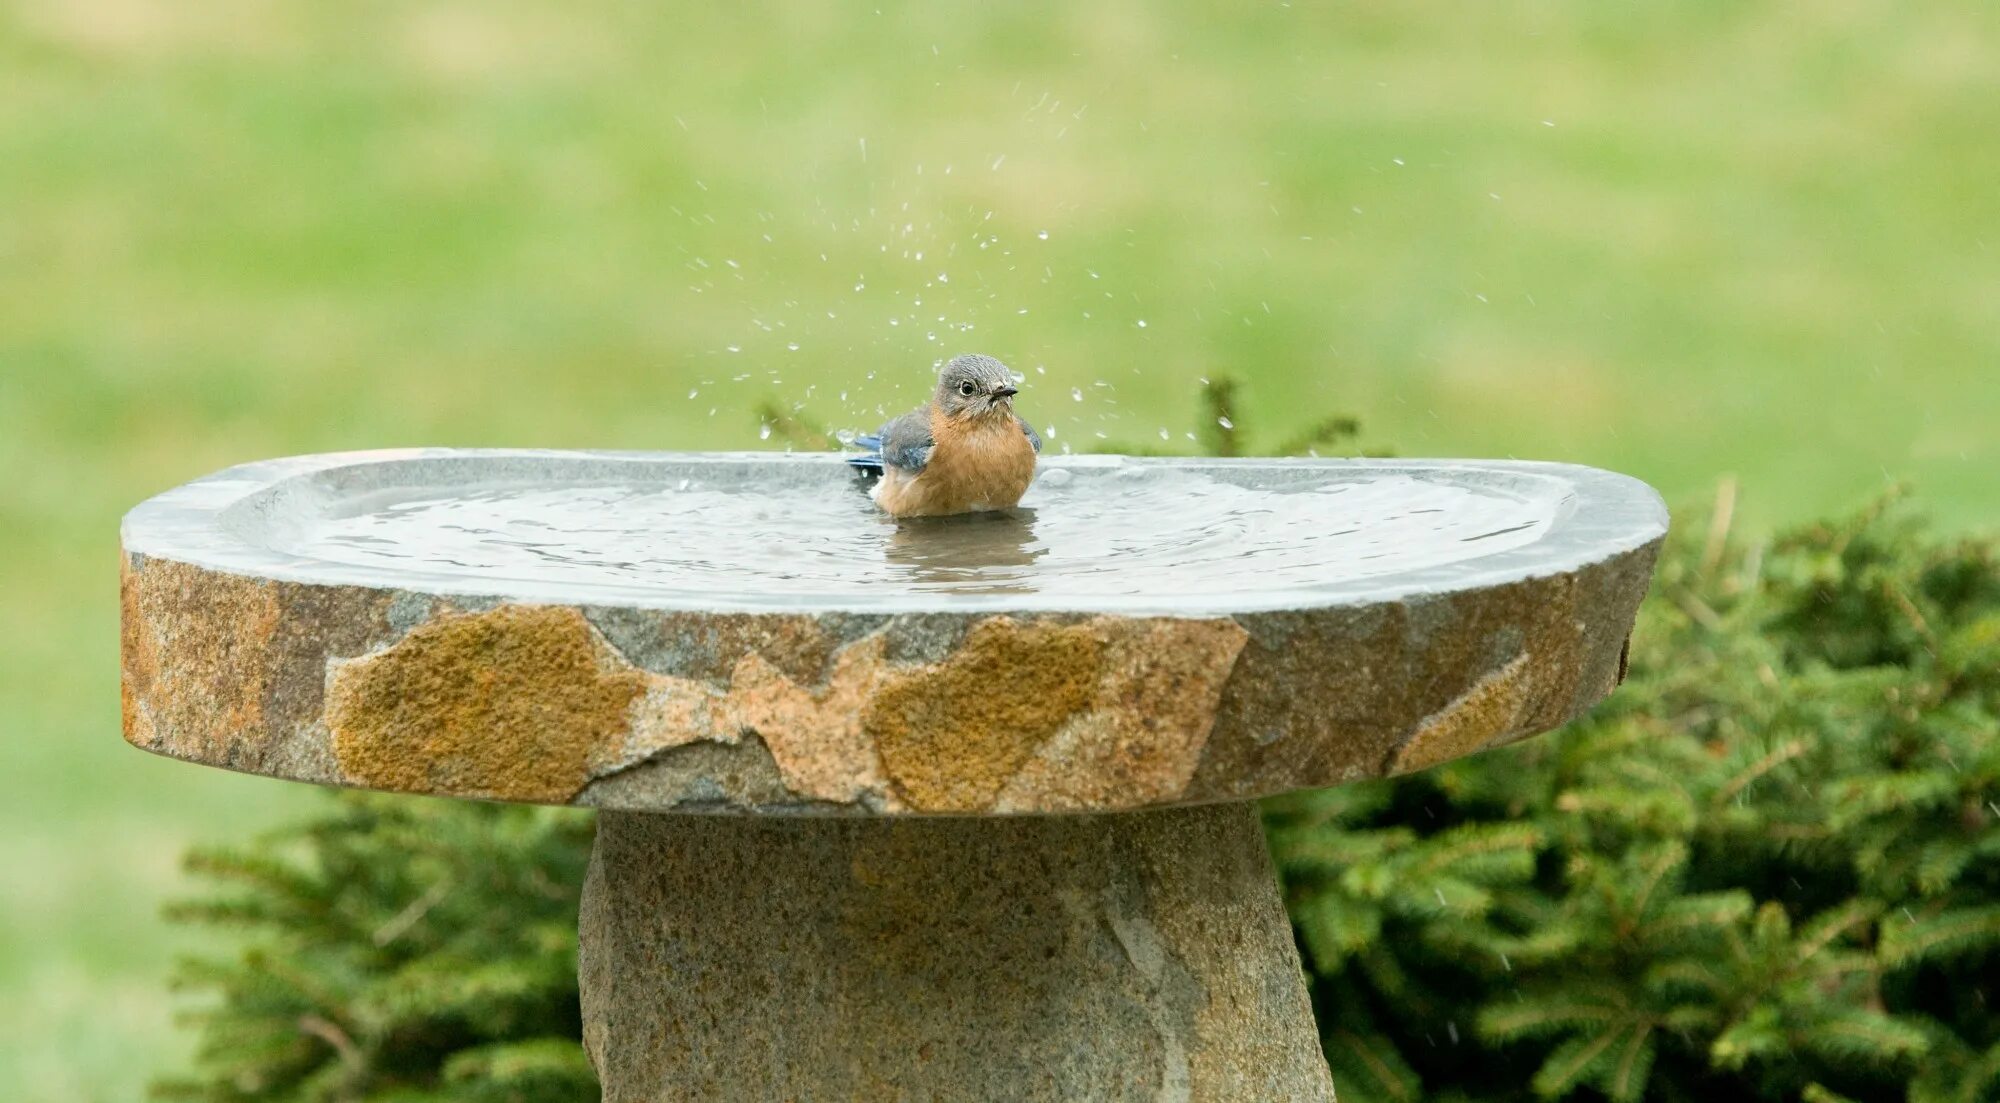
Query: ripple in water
[{"x": 1133, "y": 533}]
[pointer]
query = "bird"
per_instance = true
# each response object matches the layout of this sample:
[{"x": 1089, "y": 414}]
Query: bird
[{"x": 965, "y": 451}]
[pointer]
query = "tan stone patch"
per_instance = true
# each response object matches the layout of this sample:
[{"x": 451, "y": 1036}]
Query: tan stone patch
[
  {"x": 952, "y": 734},
  {"x": 1490, "y": 709},
  {"x": 1147, "y": 724},
  {"x": 138, "y": 659},
  {"x": 531, "y": 703},
  {"x": 193, "y": 683},
  {"x": 671, "y": 712},
  {"x": 816, "y": 737},
  {"x": 511, "y": 704}
]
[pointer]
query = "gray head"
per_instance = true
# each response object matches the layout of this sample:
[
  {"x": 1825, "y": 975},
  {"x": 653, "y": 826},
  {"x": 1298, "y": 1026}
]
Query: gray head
[{"x": 975, "y": 386}]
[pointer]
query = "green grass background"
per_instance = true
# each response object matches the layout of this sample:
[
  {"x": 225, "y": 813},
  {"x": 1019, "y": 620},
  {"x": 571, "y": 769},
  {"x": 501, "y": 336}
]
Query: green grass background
[{"x": 1683, "y": 239}]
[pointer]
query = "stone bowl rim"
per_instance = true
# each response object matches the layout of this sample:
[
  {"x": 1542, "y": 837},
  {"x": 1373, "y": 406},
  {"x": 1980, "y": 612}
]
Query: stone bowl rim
[{"x": 196, "y": 523}]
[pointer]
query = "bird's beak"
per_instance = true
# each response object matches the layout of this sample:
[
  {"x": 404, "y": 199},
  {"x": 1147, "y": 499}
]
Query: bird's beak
[{"x": 1006, "y": 392}]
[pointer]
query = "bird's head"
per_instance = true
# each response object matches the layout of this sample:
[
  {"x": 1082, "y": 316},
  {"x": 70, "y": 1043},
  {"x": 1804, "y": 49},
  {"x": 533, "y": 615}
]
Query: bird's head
[{"x": 974, "y": 387}]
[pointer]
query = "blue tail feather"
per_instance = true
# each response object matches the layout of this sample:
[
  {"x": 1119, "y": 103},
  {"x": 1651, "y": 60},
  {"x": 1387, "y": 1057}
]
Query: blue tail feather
[{"x": 871, "y": 459}]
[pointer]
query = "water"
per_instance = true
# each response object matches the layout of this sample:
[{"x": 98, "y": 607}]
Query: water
[{"x": 1155, "y": 533}]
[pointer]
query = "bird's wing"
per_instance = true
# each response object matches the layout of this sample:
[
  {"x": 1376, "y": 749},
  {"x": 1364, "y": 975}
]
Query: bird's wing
[
  {"x": 906, "y": 441},
  {"x": 1034, "y": 438},
  {"x": 903, "y": 443}
]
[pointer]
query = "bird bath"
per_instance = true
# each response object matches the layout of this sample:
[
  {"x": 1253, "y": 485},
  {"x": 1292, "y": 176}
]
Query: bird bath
[{"x": 953, "y": 809}]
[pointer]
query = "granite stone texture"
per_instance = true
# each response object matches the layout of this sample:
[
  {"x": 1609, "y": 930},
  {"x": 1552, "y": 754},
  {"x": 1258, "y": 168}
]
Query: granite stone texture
[
  {"x": 950, "y": 960},
  {"x": 1021, "y": 713}
]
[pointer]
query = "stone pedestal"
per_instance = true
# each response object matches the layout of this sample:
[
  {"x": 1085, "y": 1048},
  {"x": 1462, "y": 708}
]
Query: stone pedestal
[{"x": 1062, "y": 958}]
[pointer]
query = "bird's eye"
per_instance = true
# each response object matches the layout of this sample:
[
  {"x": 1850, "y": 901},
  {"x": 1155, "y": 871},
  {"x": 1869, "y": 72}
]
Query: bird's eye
[{"x": 966, "y": 388}]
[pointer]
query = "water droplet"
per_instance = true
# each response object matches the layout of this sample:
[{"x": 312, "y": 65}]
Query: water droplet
[
  {"x": 764, "y": 431},
  {"x": 1225, "y": 423},
  {"x": 1142, "y": 323},
  {"x": 1043, "y": 234},
  {"x": 1076, "y": 393},
  {"x": 693, "y": 392},
  {"x": 734, "y": 348}
]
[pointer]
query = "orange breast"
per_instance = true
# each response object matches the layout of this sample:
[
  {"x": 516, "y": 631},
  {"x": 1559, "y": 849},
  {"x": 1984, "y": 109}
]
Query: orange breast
[{"x": 974, "y": 465}]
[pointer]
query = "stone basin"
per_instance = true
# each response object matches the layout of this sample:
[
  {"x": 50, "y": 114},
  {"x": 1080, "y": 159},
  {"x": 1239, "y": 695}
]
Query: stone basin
[{"x": 883, "y": 721}]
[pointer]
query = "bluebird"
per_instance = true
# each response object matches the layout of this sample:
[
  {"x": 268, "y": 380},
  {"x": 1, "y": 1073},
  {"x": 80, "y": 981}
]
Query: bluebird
[{"x": 963, "y": 452}]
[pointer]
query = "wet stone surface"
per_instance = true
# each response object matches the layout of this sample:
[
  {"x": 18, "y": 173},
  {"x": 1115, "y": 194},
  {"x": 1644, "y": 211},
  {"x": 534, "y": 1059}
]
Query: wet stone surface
[{"x": 977, "y": 668}]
